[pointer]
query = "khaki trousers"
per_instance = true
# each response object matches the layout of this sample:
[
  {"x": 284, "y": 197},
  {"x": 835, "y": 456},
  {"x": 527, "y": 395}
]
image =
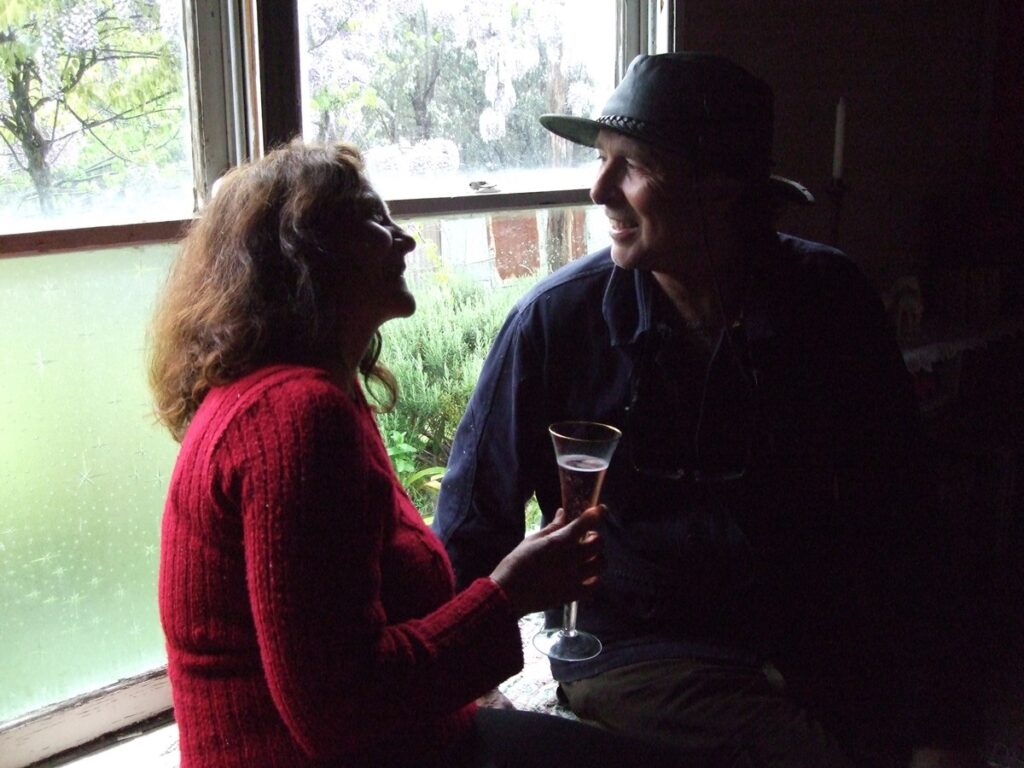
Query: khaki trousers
[{"x": 734, "y": 714}]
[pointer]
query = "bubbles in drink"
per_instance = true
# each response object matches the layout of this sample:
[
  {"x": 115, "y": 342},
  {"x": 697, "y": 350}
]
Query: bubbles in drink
[
  {"x": 581, "y": 477},
  {"x": 582, "y": 463}
]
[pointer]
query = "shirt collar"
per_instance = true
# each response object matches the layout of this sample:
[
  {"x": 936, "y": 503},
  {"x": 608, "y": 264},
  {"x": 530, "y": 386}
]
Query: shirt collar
[
  {"x": 627, "y": 305},
  {"x": 629, "y": 297}
]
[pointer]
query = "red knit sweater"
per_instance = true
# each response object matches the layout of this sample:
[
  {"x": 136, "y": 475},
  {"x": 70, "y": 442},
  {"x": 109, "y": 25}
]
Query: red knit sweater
[{"x": 308, "y": 611}]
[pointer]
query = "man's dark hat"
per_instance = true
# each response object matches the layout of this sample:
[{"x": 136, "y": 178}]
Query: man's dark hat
[{"x": 703, "y": 105}]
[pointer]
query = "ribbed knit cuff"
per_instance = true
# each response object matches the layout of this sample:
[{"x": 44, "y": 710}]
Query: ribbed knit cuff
[{"x": 485, "y": 613}]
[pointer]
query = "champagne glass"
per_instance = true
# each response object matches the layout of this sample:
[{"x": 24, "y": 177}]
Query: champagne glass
[{"x": 583, "y": 450}]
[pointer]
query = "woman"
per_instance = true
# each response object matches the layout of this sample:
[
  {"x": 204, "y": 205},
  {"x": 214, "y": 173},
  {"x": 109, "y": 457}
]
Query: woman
[{"x": 309, "y": 613}]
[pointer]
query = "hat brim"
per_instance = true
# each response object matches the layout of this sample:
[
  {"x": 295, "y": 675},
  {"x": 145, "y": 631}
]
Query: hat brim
[
  {"x": 579, "y": 130},
  {"x": 788, "y": 191},
  {"x": 582, "y": 130}
]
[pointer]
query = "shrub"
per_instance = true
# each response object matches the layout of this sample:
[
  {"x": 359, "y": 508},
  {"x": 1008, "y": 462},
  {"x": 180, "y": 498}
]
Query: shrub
[{"x": 436, "y": 356}]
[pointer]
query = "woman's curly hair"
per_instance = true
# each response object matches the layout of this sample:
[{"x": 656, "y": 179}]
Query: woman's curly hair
[{"x": 250, "y": 284}]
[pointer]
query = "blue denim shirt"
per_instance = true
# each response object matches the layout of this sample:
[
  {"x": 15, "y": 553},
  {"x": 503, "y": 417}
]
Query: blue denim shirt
[{"x": 807, "y": 399}]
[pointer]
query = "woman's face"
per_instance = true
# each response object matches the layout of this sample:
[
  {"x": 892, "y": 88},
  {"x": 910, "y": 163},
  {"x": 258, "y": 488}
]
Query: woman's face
[{"x": 372, "y": 283}]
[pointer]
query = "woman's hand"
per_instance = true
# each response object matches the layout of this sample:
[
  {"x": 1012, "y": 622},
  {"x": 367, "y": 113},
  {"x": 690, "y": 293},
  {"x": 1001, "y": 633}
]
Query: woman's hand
[{"x": 557, "y": 564}]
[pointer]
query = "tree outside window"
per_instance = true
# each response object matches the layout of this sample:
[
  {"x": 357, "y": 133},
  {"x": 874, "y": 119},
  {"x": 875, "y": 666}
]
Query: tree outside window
[
  {"x": 93, "y": 113},
  {"x": 454, "y": 87}
]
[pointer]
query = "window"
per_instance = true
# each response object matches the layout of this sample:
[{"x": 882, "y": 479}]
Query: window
[
  {"x": 84, "y": 474},
  {"x": 84, "y": 468},
  {"x": 93, "y": 114},
  {"x": 442, "y": 94}
]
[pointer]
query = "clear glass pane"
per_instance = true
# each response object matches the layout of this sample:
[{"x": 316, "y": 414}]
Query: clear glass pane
[
  {"x": 83, "y": 473},
  {"x": 439, "y": 93},
  {"x": 466, "y": 273},
  {"x": 93, "y": 113}
]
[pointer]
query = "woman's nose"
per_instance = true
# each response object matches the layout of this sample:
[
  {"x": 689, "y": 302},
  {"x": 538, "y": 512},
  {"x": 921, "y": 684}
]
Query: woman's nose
[{"x": 404, "y": 242}]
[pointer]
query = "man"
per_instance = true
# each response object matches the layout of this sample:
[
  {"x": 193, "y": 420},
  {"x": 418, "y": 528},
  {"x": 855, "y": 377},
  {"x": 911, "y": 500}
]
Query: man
[{"x": 763, "y": 548}]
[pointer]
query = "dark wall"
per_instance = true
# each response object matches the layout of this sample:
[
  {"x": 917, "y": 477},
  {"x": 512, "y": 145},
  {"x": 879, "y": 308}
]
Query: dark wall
[{"x": 917, "y": 76}]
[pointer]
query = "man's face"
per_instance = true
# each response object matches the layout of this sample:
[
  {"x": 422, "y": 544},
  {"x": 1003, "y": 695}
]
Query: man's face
[{"x": 649, "y": 200}]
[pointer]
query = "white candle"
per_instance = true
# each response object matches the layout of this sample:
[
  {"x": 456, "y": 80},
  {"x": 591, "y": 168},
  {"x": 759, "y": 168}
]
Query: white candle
[{"x": 837, "y": 151}]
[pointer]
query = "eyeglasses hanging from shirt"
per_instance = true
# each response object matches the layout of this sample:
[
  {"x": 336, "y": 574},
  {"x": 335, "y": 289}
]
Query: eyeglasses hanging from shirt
[{"x": 693, "y": 411}]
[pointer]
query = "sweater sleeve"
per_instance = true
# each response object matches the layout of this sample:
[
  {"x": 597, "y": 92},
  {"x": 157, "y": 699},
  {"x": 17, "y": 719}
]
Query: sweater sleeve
[{"x": 314, "y": 513}]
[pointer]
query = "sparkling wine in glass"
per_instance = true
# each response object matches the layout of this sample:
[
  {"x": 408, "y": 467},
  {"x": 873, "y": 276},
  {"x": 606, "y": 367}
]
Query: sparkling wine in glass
[{"x": 583, "y": 450}]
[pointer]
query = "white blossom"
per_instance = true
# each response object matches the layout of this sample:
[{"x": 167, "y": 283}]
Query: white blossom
[{"x": 492, "y": 125}]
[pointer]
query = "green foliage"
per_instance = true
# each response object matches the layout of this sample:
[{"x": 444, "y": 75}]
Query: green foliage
[
  {"x": 423, "y": 483},
  {"x": 428, "y": 78},
  {"x": 91, "y": 100},
  {"x": 437, "y": 355},
  {"x": 533, "y": 518},
  {"x": 14, "y": 13}
]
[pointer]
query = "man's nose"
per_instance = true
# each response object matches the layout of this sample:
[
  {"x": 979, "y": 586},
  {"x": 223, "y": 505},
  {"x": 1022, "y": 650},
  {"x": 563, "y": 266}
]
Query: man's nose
[{"x": 605, "y": 186}]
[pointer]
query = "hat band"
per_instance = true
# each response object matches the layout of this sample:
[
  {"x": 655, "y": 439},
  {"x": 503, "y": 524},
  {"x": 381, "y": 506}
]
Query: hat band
[
  {"x": 639, "y": 128},
  {"x": 716, "y": 152}
]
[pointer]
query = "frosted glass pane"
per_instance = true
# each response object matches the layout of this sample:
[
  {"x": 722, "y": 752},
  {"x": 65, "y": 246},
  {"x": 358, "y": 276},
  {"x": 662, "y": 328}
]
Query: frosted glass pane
[{"x": 83, "y": 473}]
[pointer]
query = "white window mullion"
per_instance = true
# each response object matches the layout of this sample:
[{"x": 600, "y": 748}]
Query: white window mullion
[
  {"x": 488, "y": 203},
  {"x": 632, "y": 34},
  {"x": 647, "y": 26},
  {"x": 665, "y": 37},
  {"x": 213, "y": 40}
]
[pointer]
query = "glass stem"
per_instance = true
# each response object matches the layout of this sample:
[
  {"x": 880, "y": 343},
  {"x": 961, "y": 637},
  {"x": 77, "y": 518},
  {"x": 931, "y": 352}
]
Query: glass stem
[{"x": 569, "y": 619}]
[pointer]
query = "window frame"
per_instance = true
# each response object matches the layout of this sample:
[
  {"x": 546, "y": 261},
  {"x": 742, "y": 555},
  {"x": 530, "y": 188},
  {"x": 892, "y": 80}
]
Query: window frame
[
  {"x": 221, "y": 103},
  {"x": 248, "y": 100},
  {"x": 241, "y": 100}
]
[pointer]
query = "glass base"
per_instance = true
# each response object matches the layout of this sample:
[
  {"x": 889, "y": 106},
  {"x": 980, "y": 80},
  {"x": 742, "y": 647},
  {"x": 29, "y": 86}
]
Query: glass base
[{"x": 567, "y": 646}]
